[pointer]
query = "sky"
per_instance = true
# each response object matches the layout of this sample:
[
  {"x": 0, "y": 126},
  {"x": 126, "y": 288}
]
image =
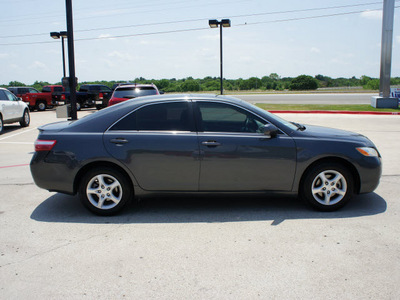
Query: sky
[{"x": 125, "y": 39}]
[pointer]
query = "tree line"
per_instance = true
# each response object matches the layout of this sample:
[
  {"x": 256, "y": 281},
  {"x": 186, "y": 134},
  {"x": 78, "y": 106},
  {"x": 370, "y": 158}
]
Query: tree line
[{"x": 272, "y": 82}]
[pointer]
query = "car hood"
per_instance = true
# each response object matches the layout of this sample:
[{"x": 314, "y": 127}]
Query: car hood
[{"x": 320, "y": 132}]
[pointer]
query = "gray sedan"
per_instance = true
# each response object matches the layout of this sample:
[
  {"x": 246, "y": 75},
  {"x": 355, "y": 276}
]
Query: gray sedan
[{"x": 200, "y": 144}]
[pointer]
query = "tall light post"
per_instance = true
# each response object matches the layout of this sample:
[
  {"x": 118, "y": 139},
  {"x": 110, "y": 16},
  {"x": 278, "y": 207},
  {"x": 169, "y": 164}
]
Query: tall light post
[
  {"x": 215, "y": 24},
  {"x": 57, "y": 35}
]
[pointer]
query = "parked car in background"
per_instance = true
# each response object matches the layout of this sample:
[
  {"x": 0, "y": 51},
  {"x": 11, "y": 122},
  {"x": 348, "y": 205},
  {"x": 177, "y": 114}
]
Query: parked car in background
[
  {"x": 91, "y": 95},
  {"x": 20, "y": 91},
  {"x": 50, "y": 96},
  {"x": 125, "y": 92},
  {"x": 200, "y": 144},
  {"x": 12, "y": 110}
]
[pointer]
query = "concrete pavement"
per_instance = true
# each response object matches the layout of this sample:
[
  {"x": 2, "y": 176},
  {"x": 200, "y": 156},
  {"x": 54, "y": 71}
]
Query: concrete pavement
[{"x": 202, "y": 248}]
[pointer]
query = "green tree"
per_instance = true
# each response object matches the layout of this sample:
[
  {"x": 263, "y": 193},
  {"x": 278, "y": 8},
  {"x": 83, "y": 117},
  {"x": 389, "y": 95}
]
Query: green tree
[
  {"x": 16, "y": 83},
  {"x": 304, "y": 82}
]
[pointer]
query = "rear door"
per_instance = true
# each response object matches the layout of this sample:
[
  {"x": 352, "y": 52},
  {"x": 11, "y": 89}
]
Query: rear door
[{"x": 158, "y": 143}]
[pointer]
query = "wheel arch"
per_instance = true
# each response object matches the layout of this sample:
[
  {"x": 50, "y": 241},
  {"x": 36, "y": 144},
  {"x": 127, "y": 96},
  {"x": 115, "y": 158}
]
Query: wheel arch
[
  {"x": 338, "y": 160},
  {"x": 98, "y": 164}
]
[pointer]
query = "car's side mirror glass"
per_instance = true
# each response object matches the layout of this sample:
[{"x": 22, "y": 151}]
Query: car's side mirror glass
[{"x": 270, "y": 130}]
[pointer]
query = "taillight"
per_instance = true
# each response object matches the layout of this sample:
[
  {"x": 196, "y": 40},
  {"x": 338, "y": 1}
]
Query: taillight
[
  {"x": 101, "y": 96},
  {"x": 62, "y": 97},
  {"x": 44, "y": 145}
]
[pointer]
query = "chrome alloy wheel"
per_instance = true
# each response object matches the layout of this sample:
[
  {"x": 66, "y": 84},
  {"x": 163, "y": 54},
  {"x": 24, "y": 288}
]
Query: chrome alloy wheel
[
  {"x": 27, "y": 118},
  {"x": 104, "y": 191},
  {"x": 329, "y": 187}
]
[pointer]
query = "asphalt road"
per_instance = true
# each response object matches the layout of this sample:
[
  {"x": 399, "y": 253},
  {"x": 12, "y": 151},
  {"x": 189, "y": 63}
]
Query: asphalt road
[
  {"x": 336, "y": 98},
  {"x": 200, "y": 248}
]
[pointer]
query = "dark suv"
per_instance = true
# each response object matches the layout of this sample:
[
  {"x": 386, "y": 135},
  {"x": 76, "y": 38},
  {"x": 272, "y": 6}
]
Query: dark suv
[
  {"x": 22, "y": 90},
  {"x": 103, "y": 92}
]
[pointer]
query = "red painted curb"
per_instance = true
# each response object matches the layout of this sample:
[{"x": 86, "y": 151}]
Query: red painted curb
[
  {"x": 334, "y": 112},
  {"x": 14, "y": 166}
]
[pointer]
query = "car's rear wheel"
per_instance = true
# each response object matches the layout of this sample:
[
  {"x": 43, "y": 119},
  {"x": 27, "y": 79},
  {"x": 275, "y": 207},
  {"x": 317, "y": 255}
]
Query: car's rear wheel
[
  {"x": 328, "y": 186},
  {"x": 26, "y": 119},
  {"x": 105, "y": 191},
  {"x": 41, "y": 106}
]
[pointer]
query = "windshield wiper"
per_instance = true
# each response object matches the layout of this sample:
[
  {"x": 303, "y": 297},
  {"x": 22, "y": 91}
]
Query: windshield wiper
[{"x": 299, "y": 126}]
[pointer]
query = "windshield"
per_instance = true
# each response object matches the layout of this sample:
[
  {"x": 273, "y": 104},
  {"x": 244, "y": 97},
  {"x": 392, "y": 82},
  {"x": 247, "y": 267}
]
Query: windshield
[
  {"x": 276, "y": 118},
  {"x": 132, "y": 92}
]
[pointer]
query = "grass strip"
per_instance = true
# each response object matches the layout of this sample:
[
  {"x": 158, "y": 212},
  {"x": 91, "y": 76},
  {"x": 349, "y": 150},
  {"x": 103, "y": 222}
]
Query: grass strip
[{"x": 333, "y": 107}]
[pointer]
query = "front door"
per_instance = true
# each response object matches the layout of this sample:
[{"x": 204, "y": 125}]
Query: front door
[{"x": 237, "y": 156}]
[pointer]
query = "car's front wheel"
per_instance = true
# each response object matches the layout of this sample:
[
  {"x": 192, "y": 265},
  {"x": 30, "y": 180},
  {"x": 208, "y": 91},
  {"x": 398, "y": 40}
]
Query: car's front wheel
[
  {"x": 328, "y": 186},
  {"x": 1, "y": 124},
  {"x": 26, "y": 119},
  {"x": 105, "y": 191}
]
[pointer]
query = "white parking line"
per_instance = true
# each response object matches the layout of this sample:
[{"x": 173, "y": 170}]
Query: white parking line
[
  {"x": 25, "y": 131},
  {"x": 20, "y": 143}
]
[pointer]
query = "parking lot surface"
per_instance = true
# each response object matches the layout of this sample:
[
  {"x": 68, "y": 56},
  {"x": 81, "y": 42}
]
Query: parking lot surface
[{"x": 200, "y": 248}]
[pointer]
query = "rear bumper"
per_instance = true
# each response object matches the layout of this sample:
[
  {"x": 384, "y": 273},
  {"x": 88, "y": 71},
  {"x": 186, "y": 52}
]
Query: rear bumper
[{"x": 55, "y": 176}]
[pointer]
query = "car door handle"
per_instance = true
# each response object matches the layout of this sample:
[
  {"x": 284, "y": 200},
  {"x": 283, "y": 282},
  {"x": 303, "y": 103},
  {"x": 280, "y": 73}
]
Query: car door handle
[
  {"x": 119, "y": 141},
  {"x": 211, "y": 144}
]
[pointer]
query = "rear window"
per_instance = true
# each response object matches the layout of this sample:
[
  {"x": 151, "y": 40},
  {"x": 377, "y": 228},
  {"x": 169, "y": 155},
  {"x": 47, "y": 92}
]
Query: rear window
[
  {"x": 46, "y": 89},
  {"x": 132, "y": 92}
]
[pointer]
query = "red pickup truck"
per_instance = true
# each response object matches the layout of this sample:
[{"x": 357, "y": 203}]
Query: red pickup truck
[{"x": 49, "y": 97}]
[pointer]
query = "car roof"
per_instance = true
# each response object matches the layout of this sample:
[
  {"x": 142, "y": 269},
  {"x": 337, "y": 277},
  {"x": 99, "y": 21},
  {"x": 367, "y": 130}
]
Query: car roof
[
  {"x": 134, "y": 85},
  {"x": 110, "y": 114}
]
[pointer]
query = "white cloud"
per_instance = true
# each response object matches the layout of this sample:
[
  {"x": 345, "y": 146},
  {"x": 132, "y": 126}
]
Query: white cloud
[
  {"x": 106, "y": 36},
  {"x": 209, "y": 37},
  {"x": 37, "y": 65},
  {"x": 315, "y": 50},
  {"x": 120, "y": 55},
  {"x": 4, "y": 55},
  {"x": 372, "y": 14}
]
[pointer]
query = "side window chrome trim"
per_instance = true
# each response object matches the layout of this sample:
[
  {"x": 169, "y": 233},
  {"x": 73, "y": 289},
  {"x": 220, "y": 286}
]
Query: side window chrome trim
[
  {"x": 142, "y": 106},
  {"x": 240, "y": 107}
]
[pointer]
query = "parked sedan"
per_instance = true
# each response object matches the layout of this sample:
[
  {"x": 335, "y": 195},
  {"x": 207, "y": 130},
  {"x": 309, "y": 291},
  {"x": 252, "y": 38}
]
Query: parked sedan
[
  {"x": 125, "y": 92},
  {"x": 200, "y": 144},
  {"x": 12, "y": 110}
]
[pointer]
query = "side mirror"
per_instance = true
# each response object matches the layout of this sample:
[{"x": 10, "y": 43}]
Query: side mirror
[
  {"x": 270, "y": 130},
  {"x": 161, "y": 92},
  {"x": 19, "y": 98}
]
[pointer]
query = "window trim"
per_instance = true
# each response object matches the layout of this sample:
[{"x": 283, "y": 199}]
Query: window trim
[
  {"x": 190, "y": 112},
  {"x": 196, "y": 110}
]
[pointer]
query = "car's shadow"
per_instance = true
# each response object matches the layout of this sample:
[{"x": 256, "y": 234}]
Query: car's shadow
[{"x": 68, "y": 209}]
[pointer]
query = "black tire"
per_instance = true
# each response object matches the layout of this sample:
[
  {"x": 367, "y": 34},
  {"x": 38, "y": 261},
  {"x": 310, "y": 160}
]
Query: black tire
[
  {"x": 105, "y": 191},
  {"x": 41, "y": 106},
  {"x": 26, "y": 119},
  {"x": 1, "y": 124},
  {"x": 327, "y": 187}
]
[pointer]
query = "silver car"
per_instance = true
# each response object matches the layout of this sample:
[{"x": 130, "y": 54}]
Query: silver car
[{"x": 12, "y": 110}]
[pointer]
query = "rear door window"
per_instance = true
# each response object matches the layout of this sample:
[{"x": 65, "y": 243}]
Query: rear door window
[{"x": 158, "y": 117}]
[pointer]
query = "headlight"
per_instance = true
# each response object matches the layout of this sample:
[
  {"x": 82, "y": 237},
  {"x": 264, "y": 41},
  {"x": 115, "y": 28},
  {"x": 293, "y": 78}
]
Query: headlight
[{"x": 368, "y": 151}]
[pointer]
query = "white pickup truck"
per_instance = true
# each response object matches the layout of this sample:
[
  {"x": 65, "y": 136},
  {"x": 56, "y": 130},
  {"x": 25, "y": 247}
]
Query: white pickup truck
[{"x": 12, "y": 109}]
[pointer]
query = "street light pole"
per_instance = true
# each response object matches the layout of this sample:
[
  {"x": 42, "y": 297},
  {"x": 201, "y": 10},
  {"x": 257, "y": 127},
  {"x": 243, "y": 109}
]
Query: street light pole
[
  {"x": 220, "y": 59},
  {"x": 63, "y": 35},
  {"x": 215, "y": 24},
  {"x": 56, "y": 36}
]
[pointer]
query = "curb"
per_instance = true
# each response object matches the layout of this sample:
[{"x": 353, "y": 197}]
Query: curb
[{"x": 344, "y": 112}]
